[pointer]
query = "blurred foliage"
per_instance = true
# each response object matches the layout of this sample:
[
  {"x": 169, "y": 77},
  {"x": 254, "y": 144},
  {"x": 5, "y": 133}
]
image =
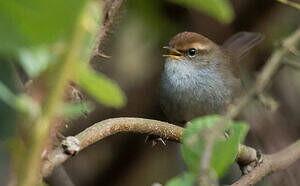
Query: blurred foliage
[
  {"x": 150, "y": 14},
  {"x": 224, "y": 150},
  {"x": 77, "y": 108},
  {"x": 187, "y": 179},
  {"x": 99, "y": 86},
  {"x": 21, "y": 103},
  {"x": 7, "y": 114},
  {"x": 35, "y": 60},
  {"x": 49, "y": 38},
  {"x": 220, "y": 9},
  {"x": 41, "y": 31},
  {"x": 34, "y": 23}
]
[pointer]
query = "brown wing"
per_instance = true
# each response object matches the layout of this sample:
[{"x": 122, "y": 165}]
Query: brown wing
[{"x": 241, "y": 43}]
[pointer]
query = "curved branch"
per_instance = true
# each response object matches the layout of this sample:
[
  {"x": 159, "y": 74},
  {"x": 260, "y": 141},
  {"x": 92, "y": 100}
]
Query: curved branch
[
  {"x": 271, "y": 163},
  {"x": 107, "y": 128}
]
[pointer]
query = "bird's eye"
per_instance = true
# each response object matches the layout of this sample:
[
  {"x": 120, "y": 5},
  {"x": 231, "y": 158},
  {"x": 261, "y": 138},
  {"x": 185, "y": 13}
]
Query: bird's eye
[{"x": 192, "y": 52}]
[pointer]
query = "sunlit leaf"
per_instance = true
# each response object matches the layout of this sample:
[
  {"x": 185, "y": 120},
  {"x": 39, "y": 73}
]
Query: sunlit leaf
[
  {"x": 98, "y": 85},
  {"x": 220, "y": 9},
  {"x": 224, "y": 150},
  {"x": 187, "y": 179}
]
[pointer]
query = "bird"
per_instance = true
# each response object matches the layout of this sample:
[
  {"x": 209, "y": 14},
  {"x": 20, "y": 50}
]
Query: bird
[{"x": 201, "y": 77}]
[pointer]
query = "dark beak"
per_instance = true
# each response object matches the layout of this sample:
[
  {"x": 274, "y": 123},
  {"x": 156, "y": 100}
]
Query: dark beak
[{"x": 173, "y": 53}]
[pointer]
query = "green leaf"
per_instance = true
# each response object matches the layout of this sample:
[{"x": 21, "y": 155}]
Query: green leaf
[
  {"x": 186, "y": 180},
  {"x": 78, "y": 108},
  {"x": 219, "y": 9},
  {"x": 29, "y": 23},
  {"x": 224, "y": 150},
  {"x": 35, "y": 60},
  {"x": 98, "y": 85},
  {"x": 7, "y": 96},
  {"x": 21, "y": 103}
]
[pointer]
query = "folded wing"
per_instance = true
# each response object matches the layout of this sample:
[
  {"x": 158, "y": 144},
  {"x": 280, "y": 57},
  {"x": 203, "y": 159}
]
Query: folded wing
[{"x": 241, "y": 43}]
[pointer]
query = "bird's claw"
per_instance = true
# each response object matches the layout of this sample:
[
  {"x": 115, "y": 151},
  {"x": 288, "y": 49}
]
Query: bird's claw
[
  {"x": 154, "y": 140},
  {"x": 248, "y": 168}
]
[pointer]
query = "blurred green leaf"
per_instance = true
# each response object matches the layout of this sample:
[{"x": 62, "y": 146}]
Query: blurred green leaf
[
  {"x": 90, "y": 24},
  {"x": 21, "y": 103},
  {"x": 35, "y": 60},
  {"x": 7, "y": 96},
  {"x": 31, "y": 23},
  {"x": 7, "y": 113},
  {"x": 17, "y": 148},
  {"x": 98, "y": 85},
  {"x": 224, "y": 150},
  {"x": 26, "y": 105},
  {"x": 219, "y": 9},
  {"x": 186, "y": 180},
  {"x": 78, "y": 108}
]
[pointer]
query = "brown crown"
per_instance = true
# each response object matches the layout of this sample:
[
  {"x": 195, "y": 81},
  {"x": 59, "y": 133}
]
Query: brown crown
[{"x": 186, "y": 40}]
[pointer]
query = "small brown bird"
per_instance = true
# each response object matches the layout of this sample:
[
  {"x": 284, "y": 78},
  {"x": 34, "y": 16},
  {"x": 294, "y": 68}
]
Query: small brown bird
[{"x": 201, "y": 77}]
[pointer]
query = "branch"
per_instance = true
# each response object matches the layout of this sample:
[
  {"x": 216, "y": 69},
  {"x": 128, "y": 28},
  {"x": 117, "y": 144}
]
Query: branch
[
  {"x": 109, "y": 17},
  {"x": 271, "y": 163},
  {"x": 107, "y": 128}
]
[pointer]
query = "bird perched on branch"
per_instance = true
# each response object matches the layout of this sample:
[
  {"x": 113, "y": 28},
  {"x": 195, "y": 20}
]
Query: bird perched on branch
[{"x": 201, "y": 77}]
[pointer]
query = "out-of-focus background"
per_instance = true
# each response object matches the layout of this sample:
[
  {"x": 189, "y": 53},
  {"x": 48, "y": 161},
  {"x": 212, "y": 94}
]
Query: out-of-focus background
[{"x": 135, "y": 43}]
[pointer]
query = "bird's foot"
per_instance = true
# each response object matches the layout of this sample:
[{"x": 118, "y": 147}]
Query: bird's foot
[
  {"x": 154, "y": 140},
  {"x": 249, "y": 167}
]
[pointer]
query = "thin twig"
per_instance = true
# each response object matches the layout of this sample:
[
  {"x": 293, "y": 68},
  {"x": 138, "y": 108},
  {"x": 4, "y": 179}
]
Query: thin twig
[
  {"x": 271, "y": 163},
  {"x": 290, "y": 3},
  {"x": 109, "y": 17}
]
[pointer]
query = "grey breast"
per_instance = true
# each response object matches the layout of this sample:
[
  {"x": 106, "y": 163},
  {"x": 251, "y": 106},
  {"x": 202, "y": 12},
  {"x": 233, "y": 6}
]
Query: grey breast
[{"x": 187, "y": 93}]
